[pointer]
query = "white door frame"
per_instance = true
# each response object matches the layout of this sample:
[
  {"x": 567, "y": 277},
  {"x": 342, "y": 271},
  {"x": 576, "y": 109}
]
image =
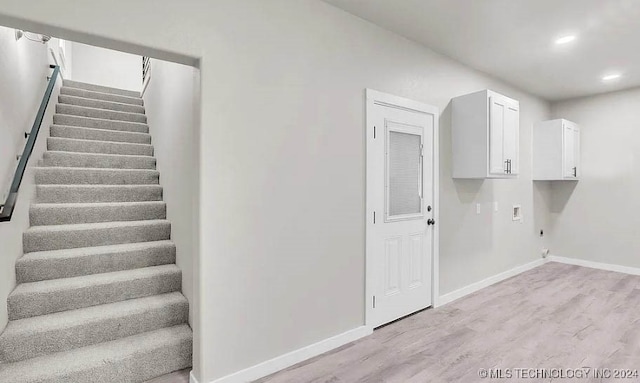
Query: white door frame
[{"x": 378, "y": 98}]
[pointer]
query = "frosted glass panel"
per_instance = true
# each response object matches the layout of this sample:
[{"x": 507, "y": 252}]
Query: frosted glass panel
[{"x": 405, "y": 181}]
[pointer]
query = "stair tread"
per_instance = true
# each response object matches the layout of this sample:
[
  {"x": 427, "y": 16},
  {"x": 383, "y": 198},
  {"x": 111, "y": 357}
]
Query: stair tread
[
  {"x": 100, "y": 110},
  {"x": 96, "y": 355},
  {"x": 101, "y": 119},
  {"x": 90, "y": 193},
  {"x": 69, "y": 318},
  {"x": 101, "y": 96},
  {"x": 100, "y": 88},
  {"x": 93, "y": 250},
  {"x": 94, "y": 186},
  {"x": 92, "y": 226},
  {"x": 96, "y": 169},
  {"x": 92, "y": 280},
  {"x": 96, "y": 155},
  {"x": 95, "y": 204},
  {"x": 115, "y": 103},
  {"x": 80, "y": 140},
  {"x": 52, "y": 213},
  {"x": 101, "y": 130}
]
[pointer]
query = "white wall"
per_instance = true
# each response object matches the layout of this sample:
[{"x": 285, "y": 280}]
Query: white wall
[
  {"x": 282, "y": 177},
  {"x": 106, "y": 67},
  {"x": 24, "y": 67},
  {"x": 170, "y": 101},
  {"x": 281, "y": 259},
  {"x": 596, "y": 218}
]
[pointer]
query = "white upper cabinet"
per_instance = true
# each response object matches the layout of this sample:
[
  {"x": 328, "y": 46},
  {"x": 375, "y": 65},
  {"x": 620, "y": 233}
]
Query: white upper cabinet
[
  {"x": 485, "y": 135},
  {"x": 556, "y": 150}
]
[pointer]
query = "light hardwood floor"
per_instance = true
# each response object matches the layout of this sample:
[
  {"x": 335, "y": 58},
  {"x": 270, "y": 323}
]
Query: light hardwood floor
[{"x": 554, "y": 316}]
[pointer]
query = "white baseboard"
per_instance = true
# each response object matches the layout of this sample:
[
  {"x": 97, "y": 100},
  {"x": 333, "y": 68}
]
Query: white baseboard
[
  {"x": 287, "y": 360},
  {"x": 596, "y": 265},
  {"x": 472, "y": 288},
  {"x": 192, "y": 378}
]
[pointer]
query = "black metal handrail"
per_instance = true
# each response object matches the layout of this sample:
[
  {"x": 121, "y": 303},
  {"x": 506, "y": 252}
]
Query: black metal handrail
[{"x": 10, "y": 204}]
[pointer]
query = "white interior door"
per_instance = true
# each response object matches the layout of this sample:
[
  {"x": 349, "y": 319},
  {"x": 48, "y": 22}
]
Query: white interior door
[{"x": 401, "y": 211}]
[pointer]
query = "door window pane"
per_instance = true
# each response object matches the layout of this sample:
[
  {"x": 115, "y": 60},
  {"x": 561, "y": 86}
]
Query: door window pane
[{"x": 404, "y": 173}]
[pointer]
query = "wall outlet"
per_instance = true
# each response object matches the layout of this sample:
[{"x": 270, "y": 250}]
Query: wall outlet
[
  {"x": 478, "y": 208},
  {"x": 517, "y": 213},
  {"x": 495, "y": 206}
]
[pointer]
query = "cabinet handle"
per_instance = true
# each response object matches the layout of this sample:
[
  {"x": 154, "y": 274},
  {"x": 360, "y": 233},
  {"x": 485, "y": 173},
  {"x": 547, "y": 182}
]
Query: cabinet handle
[
  {"x": 506, "y": 166},
  {"x": 575, "y": 171}
]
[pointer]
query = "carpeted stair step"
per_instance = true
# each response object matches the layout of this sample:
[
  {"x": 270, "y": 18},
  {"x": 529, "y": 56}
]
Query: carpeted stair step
[
  {"x": 57, "y": 295},
  {"x": 93, "y": 160},
  {"x": 134, "y": 359},
  {"x": 80, "y": 133},
  {"x": 100, "y": 104},
  {"x": 67, "y": 263},
  {"x": 103, "y": 114},
  {"x": 47, "y": 334},
  {"x": 95, "y": 176},
  {"x": 41, "y": 214},
  {"x": 97, "y": 193},
  {"x": 75, "y": 92},
  {"x": 56, "y": 237},
  {"x": 100, "y": 88},
  {"x": 98, "y": 123},
  {"x": 95, "y": 146}
]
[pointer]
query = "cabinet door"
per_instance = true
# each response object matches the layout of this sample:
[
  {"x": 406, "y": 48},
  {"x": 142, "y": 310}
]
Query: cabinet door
[
  {"x": 576, "y": 150},
  {"x": 568, "y": 151},
  {"x": 497, "y": 163},
  {"x": 511, "y": 138}
]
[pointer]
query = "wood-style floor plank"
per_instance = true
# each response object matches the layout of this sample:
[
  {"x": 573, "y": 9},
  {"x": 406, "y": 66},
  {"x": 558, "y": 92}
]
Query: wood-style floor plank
[{"x": 554, "y": 316}]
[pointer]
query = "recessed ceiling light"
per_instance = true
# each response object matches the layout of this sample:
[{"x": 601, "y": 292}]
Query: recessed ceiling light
[
  {"x": 610, "y": 77},
  {"x": 565, "y": 39}
]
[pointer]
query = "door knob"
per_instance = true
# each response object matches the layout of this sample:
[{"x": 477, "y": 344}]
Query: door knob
[{"x": 431, "y": 221}]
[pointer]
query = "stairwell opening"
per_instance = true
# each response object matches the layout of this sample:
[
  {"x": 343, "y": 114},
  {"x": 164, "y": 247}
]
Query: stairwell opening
[{"x": 99, "y": 261}]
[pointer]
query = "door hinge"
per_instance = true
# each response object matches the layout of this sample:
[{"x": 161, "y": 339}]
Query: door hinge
[{"x": 374, "y": 301}]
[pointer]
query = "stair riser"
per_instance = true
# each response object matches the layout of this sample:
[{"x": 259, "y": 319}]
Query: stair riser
[
  {"x": 71, "y": 239},
  {"x": 96, "y": 161},
  {"x": 102, "y": 147},
  {"x": 100, "y": 96},
  {"x": 78, "y": 133},
  {"x": 60, "y": 214},
  {"x": 87, "y": 122},
  {"x": 98, "y": 104},
  {"x": 70, "y": 194},
  {"x": 71, "y": 176},
  {"x": 86, "y": 333},
  {"x": 31, "y": 305},
  {"x": 100, "y": 88},
  {"x": 81, "y": 111},
  {"x": 34, "y": 270}
]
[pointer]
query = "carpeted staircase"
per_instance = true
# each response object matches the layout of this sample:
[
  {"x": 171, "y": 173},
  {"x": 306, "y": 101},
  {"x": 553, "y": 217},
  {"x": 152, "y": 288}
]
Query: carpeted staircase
[{"x": 98, "y": 297}]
